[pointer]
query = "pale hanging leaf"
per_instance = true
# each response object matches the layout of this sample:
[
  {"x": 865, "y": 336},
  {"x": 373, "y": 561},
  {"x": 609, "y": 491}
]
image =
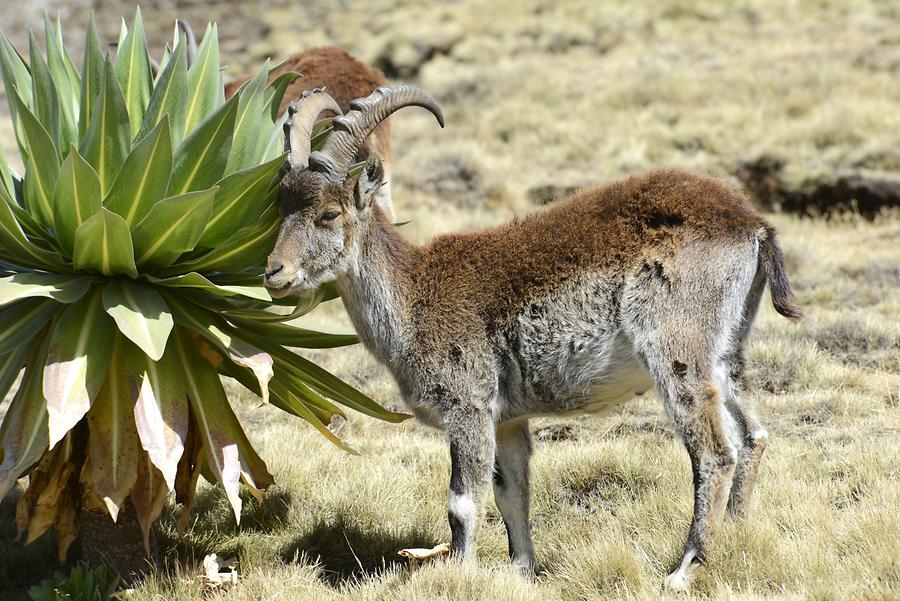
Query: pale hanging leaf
[
  {"x": 148, "y": 496},
  {"x": 113, "y": 443},
  {"x": 161, "y": 412},
  {"x": 47, "y": 507},
  {"x": 173, "y": 226},
  {"x": 103, "y": 244},
  {"x": 23, "y": 433},
  {"x": 81, "y": 345},
  {"x": 144, "y": 177},
  {"x": 76, "y": 197},
  {"x": 210, "y": 406},
  {"x": 67, "y": 523},
  {"x": 61, "y": 288},
  {"x": 141, "y": 315}
]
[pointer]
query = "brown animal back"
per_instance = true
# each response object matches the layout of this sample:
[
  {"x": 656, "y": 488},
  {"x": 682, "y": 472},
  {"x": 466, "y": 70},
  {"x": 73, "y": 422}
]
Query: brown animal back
[
  {"x": 500, "y": 270},
  {"x": 342, "y": 76}
]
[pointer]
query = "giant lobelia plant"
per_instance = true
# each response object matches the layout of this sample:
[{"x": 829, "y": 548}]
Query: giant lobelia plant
[{"x": 131, "y": 255}]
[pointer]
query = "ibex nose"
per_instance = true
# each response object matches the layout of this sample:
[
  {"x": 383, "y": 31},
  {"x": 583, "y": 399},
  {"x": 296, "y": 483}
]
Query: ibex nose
[{"x": 273, "y": 268}]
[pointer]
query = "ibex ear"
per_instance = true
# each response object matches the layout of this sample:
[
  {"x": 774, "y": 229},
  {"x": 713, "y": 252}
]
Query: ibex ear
[{"x": 370, "y": 180}]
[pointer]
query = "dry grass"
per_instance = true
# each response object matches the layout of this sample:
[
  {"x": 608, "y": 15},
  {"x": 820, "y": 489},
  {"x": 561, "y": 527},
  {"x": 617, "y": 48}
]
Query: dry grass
[{"x": 565, "y": 95}]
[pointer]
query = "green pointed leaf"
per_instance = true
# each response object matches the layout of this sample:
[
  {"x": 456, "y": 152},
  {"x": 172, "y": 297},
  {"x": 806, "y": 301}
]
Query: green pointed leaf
[
  {"x": 173, "y": 226},
  {"x": 169, "y": 97},
  {"x": 17, "y": 85},
  {"x": 200, "y": 160},
  {"x": 108, "y": 138},
  {"x": 6, "y": 177},
  {"x": 11, "y": 365},
  {"x": 144, "y": 178},
  {"x": 42, "y": 166},
  {"x": 113, "y": 447},
  {"x": 75, "y": 199},
  {"x": 91, "y": 78},
  {"x": 206, "y": 89},
  {"x": 20, "y": 322},
  {"x": 161, "y": 411},
  {"x": 23, "y": 433},
  {"x": 248, "y": 123},
  {"x": 214, "y": 418},
  {"x": 286, "y": 400},
  {"x": 238, "y": 350},
  {"x": 132, "y": 69},
  {"x": 321, "y": 380},
  {"x": 248, "y": 247},
  {"x": 15, "y": 245},
  {"x": 197, "y": 281},
  {"x": 103, "y": 244},
  {"x": 288, "y": 335},
  {"x": 141, "y": 315},
  {"x": 67, "y": 82},
  {"x": 46, "y": 99},
  {"x": 81, "y": 345},
  {"x": 275, "y": 92},
  {"x": 242, "y": 197},
  {"x": 61, "y": 288}
]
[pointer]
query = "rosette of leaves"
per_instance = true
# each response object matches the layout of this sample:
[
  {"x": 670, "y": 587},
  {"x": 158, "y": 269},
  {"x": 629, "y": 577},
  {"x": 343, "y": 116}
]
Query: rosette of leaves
[{"x": 130, "y": 254}]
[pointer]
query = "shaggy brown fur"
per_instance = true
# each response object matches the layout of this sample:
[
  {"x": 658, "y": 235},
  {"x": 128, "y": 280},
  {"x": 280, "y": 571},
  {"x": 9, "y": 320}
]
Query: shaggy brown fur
[
  {"x": 342, "y": 76},
  {"x": 644, "y": 218}
]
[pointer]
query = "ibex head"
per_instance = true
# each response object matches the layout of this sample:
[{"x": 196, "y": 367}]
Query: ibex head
[{"x": 323, "y": 207}]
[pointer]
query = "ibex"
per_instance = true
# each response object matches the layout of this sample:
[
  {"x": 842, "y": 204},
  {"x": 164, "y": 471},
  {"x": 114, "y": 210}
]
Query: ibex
[
  {"x": 344, "y": 77},
  {"x": 654, "y": 279}
]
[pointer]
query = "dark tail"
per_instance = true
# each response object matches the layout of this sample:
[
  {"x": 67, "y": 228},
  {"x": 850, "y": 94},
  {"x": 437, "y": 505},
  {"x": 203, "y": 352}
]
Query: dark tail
[{"x": 772, "y": 260}]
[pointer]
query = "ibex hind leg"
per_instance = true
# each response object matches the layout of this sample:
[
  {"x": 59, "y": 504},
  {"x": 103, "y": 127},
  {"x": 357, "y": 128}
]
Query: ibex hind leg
[
  {"x": 753, "y": 435},
  {"x": 679, "y": 340}
]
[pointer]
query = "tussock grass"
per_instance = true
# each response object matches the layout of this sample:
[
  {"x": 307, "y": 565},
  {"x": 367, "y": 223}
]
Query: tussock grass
[{"x": 562, "y": 95}]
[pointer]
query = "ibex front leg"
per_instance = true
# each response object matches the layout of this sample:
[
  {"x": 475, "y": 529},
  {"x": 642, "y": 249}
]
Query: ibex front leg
[
  {"x": 471, "y": 433},
  {"x": 512, "y": 491}
]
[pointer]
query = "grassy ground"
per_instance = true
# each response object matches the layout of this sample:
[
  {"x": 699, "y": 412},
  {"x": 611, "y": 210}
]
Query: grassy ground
[{"x": 540, "y": 98}]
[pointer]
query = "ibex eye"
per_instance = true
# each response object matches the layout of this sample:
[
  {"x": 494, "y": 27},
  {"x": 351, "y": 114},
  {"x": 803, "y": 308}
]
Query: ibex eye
[{"x": 330, "y": 216}]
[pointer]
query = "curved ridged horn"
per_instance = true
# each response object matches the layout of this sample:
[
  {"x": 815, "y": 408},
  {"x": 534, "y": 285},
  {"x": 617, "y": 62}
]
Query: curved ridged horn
[
  {"x": 190, "y": 38},
  {"x": 352, "y": 129},
  {"x": 302, "y": 117}
]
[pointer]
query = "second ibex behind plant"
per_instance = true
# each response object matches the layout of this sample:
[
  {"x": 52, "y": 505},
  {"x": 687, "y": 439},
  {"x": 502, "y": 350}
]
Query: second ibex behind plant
[{"x": 652, "y": 280}]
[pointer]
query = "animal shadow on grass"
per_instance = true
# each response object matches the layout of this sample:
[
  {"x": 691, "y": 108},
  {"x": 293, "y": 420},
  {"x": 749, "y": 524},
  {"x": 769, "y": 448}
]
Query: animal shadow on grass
[
  {"x": 346, "y": 550},
  {"x": 212, "y": 521}
]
